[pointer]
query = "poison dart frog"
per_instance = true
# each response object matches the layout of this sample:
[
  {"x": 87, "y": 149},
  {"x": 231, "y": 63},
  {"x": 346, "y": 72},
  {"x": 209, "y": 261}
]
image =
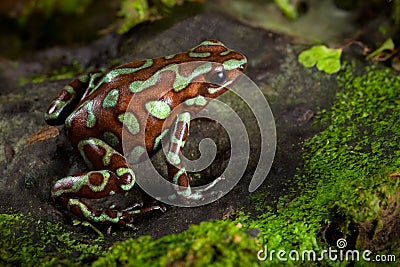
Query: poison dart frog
[{"x": 96, "y": 111}]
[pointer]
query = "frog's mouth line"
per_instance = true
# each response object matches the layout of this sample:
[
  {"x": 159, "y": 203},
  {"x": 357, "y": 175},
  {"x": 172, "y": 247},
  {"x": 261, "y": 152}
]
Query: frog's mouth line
[{"x": 215, "y": 88}]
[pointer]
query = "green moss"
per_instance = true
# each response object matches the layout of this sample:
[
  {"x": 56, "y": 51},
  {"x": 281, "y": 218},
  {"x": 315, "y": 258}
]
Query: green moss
[
  {"x": 65, "y": 72},
  {"x": 27, "y": 242},
  {"x": 346, "y": 178},
  {"x": 218, "y": 243}
]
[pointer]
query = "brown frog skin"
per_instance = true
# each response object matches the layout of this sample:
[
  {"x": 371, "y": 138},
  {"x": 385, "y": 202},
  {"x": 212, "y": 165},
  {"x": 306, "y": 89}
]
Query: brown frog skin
[{"x": 97, "y": 112}]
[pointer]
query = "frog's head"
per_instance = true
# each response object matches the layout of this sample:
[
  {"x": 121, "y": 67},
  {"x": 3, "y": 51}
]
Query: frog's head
[{"x": 226, "y": 66}]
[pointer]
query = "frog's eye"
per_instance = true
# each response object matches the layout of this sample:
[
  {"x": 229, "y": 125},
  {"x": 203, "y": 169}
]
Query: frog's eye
[{"x": 218, "y": 77}]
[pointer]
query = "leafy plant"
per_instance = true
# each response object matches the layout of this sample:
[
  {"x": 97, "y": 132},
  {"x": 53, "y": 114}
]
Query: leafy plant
[
  {"x": 287, "y": 8},
  {"x": 379, "y": 54},
  {"x": 133, "y": 12},
  {"x": 326, "y": 59}
]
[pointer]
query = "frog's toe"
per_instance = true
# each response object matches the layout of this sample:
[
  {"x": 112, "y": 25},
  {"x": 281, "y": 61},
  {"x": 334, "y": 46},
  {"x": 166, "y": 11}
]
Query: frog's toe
[
  {"x": 135, "y": 206},
  {"x": 132, "y": 227},
  {"x": 133, "y": 213},
  {"x": 213, "y": 183},
  {"x": 163, "y": 208}
]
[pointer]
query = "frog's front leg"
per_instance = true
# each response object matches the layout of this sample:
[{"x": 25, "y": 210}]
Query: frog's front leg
[
  {"x": 69, "y": 96},
  {"x": 111, "y": 175},
  {"x": 176, "y": 171}
]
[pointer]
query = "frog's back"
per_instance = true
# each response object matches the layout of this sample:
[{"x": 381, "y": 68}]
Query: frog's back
[{"x": 122, "y": 99}]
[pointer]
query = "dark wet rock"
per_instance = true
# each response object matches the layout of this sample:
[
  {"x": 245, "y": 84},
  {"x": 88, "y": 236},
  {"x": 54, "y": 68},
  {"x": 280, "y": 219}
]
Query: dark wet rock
[{"x": 29, "y": 170}]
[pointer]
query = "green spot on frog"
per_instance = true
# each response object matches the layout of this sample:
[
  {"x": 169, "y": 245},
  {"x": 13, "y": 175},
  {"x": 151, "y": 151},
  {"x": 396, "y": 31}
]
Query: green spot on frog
[
  {"x": 111, "y": 138},
  {"x": 129, "y": 120},
  {"x": 135, "y": 154},
  {"x": 158, "y": 139},
  {"x": 182, "y": 82},
  {"x": 84, "y": 78},
  {"x": 172, "y": 197},
  {"x": 56, "y": 113},
  {"x": 184, "y": 117},
  {"x": 233, "y": 63},
  {"x": 225, "y": 53},
  {"x": 198, "y": 101},
  {"x": 70, "y": 90},
  {"x": 98, "y": 188},
  {"x": 173, "y": 158},
  {"x": 122, "y": 171},
  {"x": 158, "y": 109},
  {"x": 93, "y": 78},
  {"x": 89, "y": 214},
  {"x": 138, "y": 86},
  {"x": 170, "y": 56},
  {"x": 213, "y": 90},
  {"x": 179, "y": 173},
  {"x": 91, "y": 118},
  {"x": 111, "y": 99},
  {"x": 116, "y": 72},
  {"x": 81, "y": 146},
  {"x": 194, "y": 54},
  {"x": 208, "y": 42},
  {"x": 107, "y": 156},
  {"x": 59, "y": 103}
]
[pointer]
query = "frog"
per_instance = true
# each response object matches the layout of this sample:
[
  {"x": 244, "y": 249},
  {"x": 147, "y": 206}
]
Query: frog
[{"x": 97, "y": 112}]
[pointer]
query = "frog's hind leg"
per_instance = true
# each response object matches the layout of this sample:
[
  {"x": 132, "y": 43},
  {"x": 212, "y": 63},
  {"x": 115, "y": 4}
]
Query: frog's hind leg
[
  {"x": 69, "y": 97},
  {"x": 112, "y": 175}
]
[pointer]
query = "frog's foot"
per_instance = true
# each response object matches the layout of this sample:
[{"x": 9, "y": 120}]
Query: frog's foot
[
  {"x": 135, "y": 206},
  {"x": 94, "y": 185},
  {"x": 128, "y": 213},
  {"x": 132, "y": 209},
  {"x": 82, "y": 209},
  {"x": 213, "y": 183},
  {"x": 210, "y": 191},
  {"x": 69, "y": 97},
  {"x": 188, "y": 194}
]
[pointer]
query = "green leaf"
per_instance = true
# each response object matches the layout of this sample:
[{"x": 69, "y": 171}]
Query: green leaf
[
  {"x": 387, "y": 45},
  {"x": 326, "y": 59},
  {"x": 133, "y": 12},
  {"x": 288, "y": 9}
]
